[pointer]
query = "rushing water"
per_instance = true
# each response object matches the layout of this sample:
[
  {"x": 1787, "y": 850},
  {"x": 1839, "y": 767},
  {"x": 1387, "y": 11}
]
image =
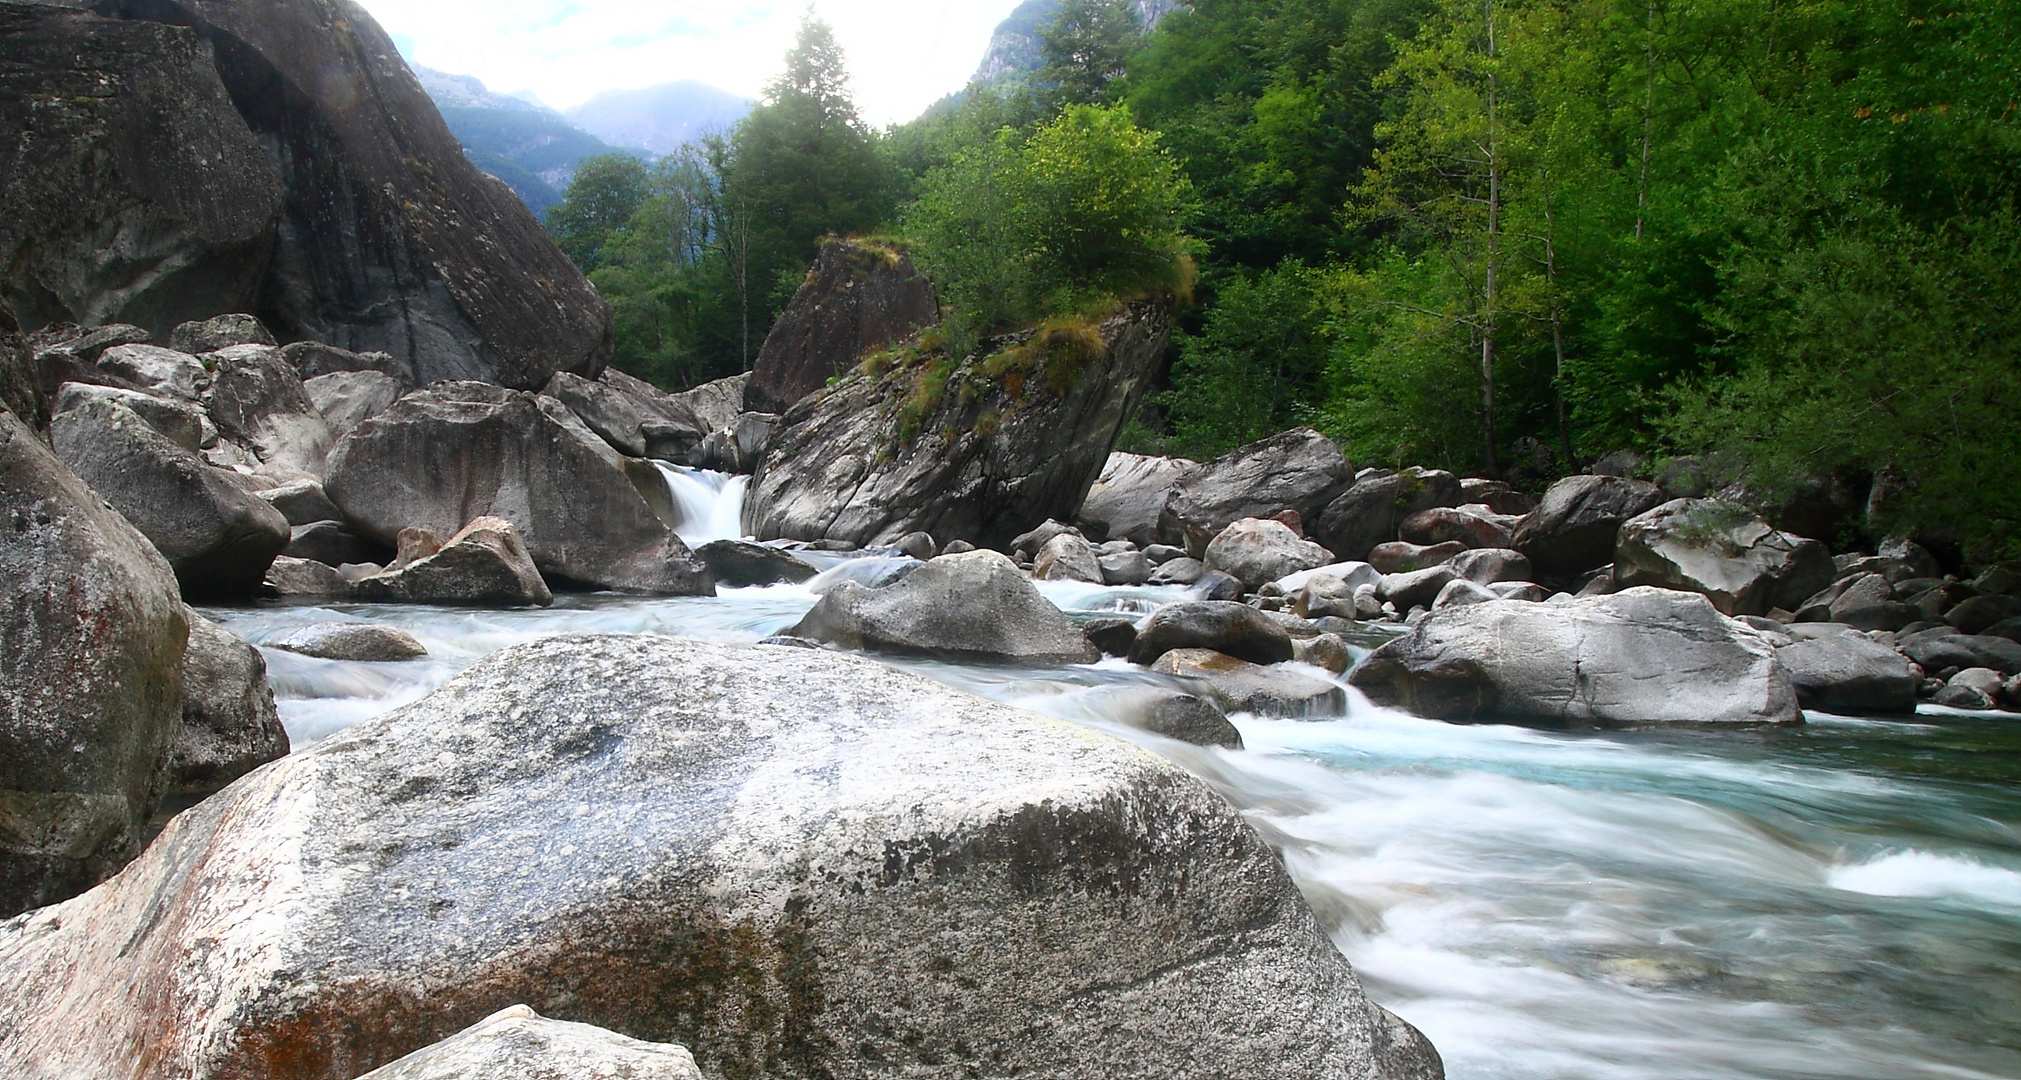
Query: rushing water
[{"x": 1841, "y": 900}]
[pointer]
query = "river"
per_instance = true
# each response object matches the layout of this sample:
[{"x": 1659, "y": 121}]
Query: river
[{"x": 1838, "y": 900}]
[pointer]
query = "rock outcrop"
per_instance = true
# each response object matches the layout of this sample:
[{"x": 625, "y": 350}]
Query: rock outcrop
[
  {"x": 1298, "y": 470},
  {"x": 1643, "y": 656},
  {"x": 973, "y": 607},
  {"x": 20, "y": 376},
  {"x": 135, "y": 191},
  {"x": 230, "y": 724},
  {"x": 859, "y": 297},
  {"x": 92, "y": 634},
  {"x": 980, "y": 451},
  {"x": 219, "y": 538},
  {"x": 520, "y": 1044},
  {"x": 1372, "y": 512},
  {"x": 795, "y": 864},
  {"x": 1127, "y": 501},
  {"x": 621, "y": 408},
  {"x": 1720, "y": 549},
  {"x": 457, "y": 451}
]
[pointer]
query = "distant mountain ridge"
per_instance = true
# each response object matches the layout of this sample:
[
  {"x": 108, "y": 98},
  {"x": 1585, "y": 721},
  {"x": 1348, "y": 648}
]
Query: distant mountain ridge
[
  {"x": 1014, "y": 49},
  {"x": 660, "y": 119},
  {"x": 531, "y": 147}
]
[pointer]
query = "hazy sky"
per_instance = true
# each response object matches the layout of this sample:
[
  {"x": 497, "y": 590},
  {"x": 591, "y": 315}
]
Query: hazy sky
[{"x": 903, "y": 54}]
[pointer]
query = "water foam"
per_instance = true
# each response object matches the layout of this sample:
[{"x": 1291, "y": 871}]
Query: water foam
[
  {"x": 1924, "y": 875},
  {"x": 711, "y": 504}
]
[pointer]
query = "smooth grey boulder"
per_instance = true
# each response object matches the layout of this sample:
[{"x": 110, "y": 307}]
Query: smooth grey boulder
[
  {"x": 1240, "y": 686},
  {"x": 155, "y": 370},
  {"x": 1128, "y": 499},
  {"x": 219, "y": 332},
  {"x": 1642, "y": 656},
  {"x": 1371, "y": 512},
  {"x": 1126, "y": 568},
  {"x": 92, "y": 635},
  {"x": 135, "y": 191},
  {"x": 1224, "y": 626},
  {"x": 797, "y": 864},
  {"x": 230, "y": 724},
  {"x": 1520, "y": 590},
  {"x": 1026, "y": 545},
  {"x": 1939, "y": 650},
  {"x": 302, "y": 503},
  {"x": 457, "y": 451},
  {"x": 1404, "y": 557},
  {"x": 330, "y": 543},
  {"x": 996, "y": 453},
  {"x": 486, "y": 563},
  {"x": 1491, "y": 566},
  {"x": 714, "y": 406},
  {"x": 1111, "y": 634},
  {"x": 345, "y": 399},
  {"x": 520, "y": 1044},
  {"x": 1850, "y": 673},
  {"x": 1298, "y": 470},
  {"x": 305, "y": 579},
  {"x": 365, "y": 642},
  {"x": 1724, "y": 551},
  {"x": 1186, "y": 718},
  {"x": 619, "y": 407},
  {"x": 1575, "y": 526},
  {"x": 1352, "y": 574},
  {"x": 313, "y": 360},
  {"x": 1974, "y": 689},
  {"x": 1975, "y": 615},
  {"x": 742, "y": 564},
  {"x": 739, "y": 447},
  {"x": 1067, "y": 557},
  {"x": 1418, "y": 588},
  {"x": 1328, "y": 651},
  {"x": 974, "y": 607},
  {"x": 1256, "y": 551},
  {"x": 1460, "y": 592},
  {"x": 1474, "y": 526},
  {"x": 219, "y": 538},
  {"x": 181, "y": 422},
  {"x": 859, "y": 297},
  {"x": 1180, "y": 571},
  {"x": 258, "y": 401}
]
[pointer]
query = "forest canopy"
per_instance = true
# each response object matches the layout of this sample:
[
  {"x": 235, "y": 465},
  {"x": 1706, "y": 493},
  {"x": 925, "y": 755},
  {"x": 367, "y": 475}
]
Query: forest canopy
[{"x": 1499, "y": 236}]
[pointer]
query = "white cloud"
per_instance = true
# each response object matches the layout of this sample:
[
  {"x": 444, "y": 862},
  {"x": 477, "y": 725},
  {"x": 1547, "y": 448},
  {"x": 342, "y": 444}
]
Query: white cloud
[{"x": 903, "y": 54}]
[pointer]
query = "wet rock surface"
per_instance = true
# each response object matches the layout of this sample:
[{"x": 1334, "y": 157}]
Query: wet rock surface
[
  {"x": 859, "y": 297},
  {"x": 974, "y": 607},
  {"x": 230, "y": 724},
  {"x": 352, "y": 641}
]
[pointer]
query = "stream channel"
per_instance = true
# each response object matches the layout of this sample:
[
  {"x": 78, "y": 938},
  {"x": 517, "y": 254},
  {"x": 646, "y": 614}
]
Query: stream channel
[{"x": 1837, "y": 900}]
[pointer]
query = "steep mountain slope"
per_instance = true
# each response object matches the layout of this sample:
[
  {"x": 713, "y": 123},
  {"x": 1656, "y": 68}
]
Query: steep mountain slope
[
  {"x": 1014, "y": 48},
  {"x": 530, "y": 147}
]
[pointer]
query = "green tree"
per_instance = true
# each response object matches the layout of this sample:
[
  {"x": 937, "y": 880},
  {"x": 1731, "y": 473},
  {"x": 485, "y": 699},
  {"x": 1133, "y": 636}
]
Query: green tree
[
  {"x": 1254, "y": 365},
  {"x": 602, "y": 197},
  {"x": 1086, "y": 47}
]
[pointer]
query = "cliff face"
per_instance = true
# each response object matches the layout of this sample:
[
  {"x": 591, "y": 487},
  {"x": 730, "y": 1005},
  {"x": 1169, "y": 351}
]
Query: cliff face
[
  {"x": 1014, "y": 48},
  {"x": 857, "y": 298},
  {"x": 344, "y": 211},
  {"x": 978, "y": 450}
]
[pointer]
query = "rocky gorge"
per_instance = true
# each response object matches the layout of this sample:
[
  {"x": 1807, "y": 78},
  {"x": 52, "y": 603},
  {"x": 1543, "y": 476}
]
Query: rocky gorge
[{"x": 867, "y": 715}]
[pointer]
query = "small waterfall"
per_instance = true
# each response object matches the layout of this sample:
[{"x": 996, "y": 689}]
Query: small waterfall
[{"x": 711, "y": 503}]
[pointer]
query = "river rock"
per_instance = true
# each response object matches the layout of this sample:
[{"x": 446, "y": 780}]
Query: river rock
[
  {"x": 179, "y": 421},
  {"x": 75, "y": 343},
  {"x": 795, "y": 863},
  {"x": 1370, "y": 512},
  {"x": 330, "y": 543},
  {"x": 1976, "y": 689},
  {"x": 1067, "y": 557},
  {"x": 1574, "y": 528},
  {"x": 219, "y": 332},
  {"x": 1126, "y": 568},
  {"x": 1299, "y": 470},
  {"x": 1974, "y": 615},
  {"x": 1240, "y": 686},
  {"x": 158, "y": 371},
  {"x": 459, "y": 450},
  {"x": 1491, "y": 566},
  {"x": 1352, "y": 574},
  {"x": 230, "y": 724},
  {"x": 1460, "y": 592},
  {"x": 135, "y": 191},
  {"x": 1256, "y": 551},
  {"x": 1418, "y": 588},
  {"x": 1943, "y": 649},
  {"x": 1187, "y": 718},
  {"x": 619, "y": 407},
  {"x": 2005, "y": 628},
  {"x": 1180, "y": 571},
  {"x": 1403, "y": 557},
  {"x": 486, "y": 563},
  {"x": 345, "y": 399},
  {"x": 1027, "y": 545},
  {"x": 523, "y": 1045},
  {"x": 302, "y": 503},
  {"x": 1128, "y": 499},
  {"x": 1642, "y": 656},
  {"x": 305, "y": 579},
  {"x": 860, "y": 296},
  {"x": 1472, "y": 526},
  {"x": 1724, "y": 551},
  {"x": 998, "y": 451},
  {"x": 313, "y": 360},
  {"x": 92, "y": 636},
  {"x": 1112, "y": 635},
  {"x": 258, "y": 401},
  {"x": 1237, "y": 630},
  {"x": 742, "y": 564},
  {"x": 1849, "y": 673},
  {"x": 1496, "y": 496},
  {"x": 973, "y": 607},
  {"x": 1328, "y": 652},
  {"x": 219, "y": 538},
  {"x": 365, "y": 642}
]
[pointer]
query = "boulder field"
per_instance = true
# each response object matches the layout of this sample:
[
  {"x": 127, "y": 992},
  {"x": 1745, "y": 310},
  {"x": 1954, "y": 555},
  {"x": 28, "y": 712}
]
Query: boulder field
[{"x": 789, "y": 862}]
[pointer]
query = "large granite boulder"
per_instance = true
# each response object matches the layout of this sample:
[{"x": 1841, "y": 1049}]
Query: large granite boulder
[
  {"x": 20, "y": 377},
  {"x": 258, "y": 401},
  {"x": 980, "y": 450},
  {"x": 155, "y": 370},
  {"x": 860, "y": 296},
  {"x": 794, "y": 863},
  {"x": 1850, "y": 673},
  {"x": 219, "y": 538},
  {"x": 742, "y": 564},
  {"x": 1574, "y": 528},
  {"x": 92, "y": 634},
  {"x": 620, "y": 408},
  {"x": 1643, "y": 656},
  {"x": 1223, "y": 626},
  {"x": 181, "y": 422},
  {"x": 346, "y": 399},
  {"x": 230, "y": 724},
  {"x": 135, "y": 191},
  {"x": 1128, "y": 499},
  {"x": 1298, "y": 470},
  {"x": 1255, "y": 551},
  {"x": 1372, "y": 512},
  {"x": 974, "y": 607},
  {"x": 484, "y": 564},
  {"x": 457, "y": 451},
  {"x": 520, "y": 1044},
  {"x": 220, "y": 332},
  {"x": 1240, "y": 686},
  {"x": 312, "y": 360},
  {"x": 1721, "y": 549}
]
